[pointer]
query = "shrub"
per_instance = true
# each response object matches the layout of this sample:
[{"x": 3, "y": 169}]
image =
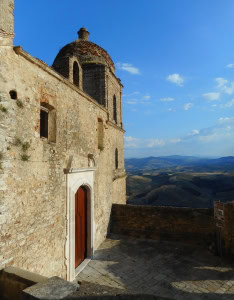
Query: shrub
[{"x": 25, "y": 157}]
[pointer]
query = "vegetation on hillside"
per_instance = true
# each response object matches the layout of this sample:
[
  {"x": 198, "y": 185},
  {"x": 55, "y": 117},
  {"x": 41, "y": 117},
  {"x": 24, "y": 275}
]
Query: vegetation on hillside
[{"x": 180, "y": 181}]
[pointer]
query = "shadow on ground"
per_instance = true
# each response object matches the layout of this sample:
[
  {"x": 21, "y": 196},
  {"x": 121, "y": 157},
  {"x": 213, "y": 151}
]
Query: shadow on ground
[
  {"x": 166, "y": 269},
  {"x": 97, "y": 291}
]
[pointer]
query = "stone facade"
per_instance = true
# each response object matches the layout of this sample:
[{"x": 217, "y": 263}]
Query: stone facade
[
  {"x": 228, "y": 229},
  {"x": 6, "y": 22},
  {"x": 35, "y": 217},
  {"x": 224, "y": 220}
]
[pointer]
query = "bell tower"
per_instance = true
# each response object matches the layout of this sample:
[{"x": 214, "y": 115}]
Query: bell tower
[{"x": 6, "y": 22}]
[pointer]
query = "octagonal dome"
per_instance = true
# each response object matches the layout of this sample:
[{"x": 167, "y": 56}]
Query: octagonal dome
[{"x": 85, "y": 51}]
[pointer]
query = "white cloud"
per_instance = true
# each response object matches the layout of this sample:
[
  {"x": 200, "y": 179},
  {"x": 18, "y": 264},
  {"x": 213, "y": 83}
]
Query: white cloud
[
  {"x": 155, "y": 142},
  {"x": 231, "y": 66},
  {"x": 176, "y": 78},
  {"x": 168, "y": 99},
  {"x": 174, "y": 141},
  {"x": 211, "y": 96},
  {"x": 229, "y": 90},
  {"x": 130, "y": 139},
  {"x": 132, "y": 102},
  {"x": 195, "y": 131},
  {"x": 209, "y": 138},
  {"x": 224, "y": 85},
  {"x": 216, "y": 134},
  {"x": 128, "y": 68},
  {"x": 131, "y": 142},
  {"x": 132, "y": 94},
  {"x": 217, "y": 140},
  {"x": 221, "y": 81},
  {"x": 226, "y": 120},
  {"x": 187, "y": 106},
  {"x": 147, "y": 97},
  {"x": 228, "y": 104},
  {"x": 171, "y": 109}
]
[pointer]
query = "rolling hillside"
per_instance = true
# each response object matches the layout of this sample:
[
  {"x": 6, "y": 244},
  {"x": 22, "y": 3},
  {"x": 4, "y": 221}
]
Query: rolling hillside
[{"x": 180, "y": 181}]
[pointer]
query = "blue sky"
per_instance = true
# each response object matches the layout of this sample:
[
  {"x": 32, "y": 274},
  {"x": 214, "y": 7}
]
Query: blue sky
[{"x": 175, "y": 59}]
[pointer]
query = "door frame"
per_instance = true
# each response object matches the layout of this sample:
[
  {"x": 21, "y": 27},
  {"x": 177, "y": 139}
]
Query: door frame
[{"x": 75, "y": 179}]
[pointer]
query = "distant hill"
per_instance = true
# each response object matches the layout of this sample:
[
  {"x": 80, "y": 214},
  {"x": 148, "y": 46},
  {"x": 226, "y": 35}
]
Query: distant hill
[
  {"x": 177, "y": 162},
  {"x": 182, "y": 181}
]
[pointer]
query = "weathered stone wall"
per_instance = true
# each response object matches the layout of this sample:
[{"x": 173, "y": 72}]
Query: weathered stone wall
[
  {"x": 63, "y": 67},
  {"x": 164, "y": 223},
  {"x": 6, "y": 22},
  {"x": 113, "y": 89},
  {"x": 94, "y": 82},
  {"x": 228, "y": 229},
  {"x": 33, "y": 225}
]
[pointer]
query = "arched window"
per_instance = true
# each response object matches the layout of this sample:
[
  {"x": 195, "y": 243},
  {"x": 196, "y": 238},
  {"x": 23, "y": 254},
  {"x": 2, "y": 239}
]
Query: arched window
[
  {"x": 76, "y": 73},
  {"x": 48, "y": 122},
  {"x": 114, "y": 109},
  {"x": 100, "y": 135},
  {"x": 116, "y": 158}
]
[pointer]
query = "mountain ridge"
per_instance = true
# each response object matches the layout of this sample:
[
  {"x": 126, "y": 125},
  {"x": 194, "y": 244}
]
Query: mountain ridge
[{"x": 161, "y": 162}]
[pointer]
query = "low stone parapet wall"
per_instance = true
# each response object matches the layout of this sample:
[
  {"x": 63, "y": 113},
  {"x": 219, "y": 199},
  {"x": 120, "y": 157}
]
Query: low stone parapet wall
[
  {"x": 14, "y": 280},
  {"x": 194, "y": 225}
]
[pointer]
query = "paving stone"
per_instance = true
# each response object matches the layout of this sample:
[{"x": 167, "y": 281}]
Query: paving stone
[{"x": 190, "y": 273}]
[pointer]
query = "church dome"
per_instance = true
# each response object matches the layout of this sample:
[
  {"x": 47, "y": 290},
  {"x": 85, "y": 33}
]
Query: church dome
[{"x": 85, "y": 51}]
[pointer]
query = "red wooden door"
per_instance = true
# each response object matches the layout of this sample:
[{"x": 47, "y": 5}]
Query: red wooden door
[{"x": 80, "y": 226}]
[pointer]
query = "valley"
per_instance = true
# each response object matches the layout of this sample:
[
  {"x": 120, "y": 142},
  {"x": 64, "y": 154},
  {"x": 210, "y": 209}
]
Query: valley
[{"x": 180, "y": 181}]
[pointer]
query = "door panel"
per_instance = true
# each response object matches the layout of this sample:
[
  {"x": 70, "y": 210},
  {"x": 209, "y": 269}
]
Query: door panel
[{"x": 80, "y": 226}]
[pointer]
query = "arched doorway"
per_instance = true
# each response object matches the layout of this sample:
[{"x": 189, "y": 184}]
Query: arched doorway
[
  {"x": 81, "y": 228},
  {"x": 77, "y": 178}
]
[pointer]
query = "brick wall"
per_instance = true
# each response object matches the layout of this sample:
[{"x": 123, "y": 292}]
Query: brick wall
[{"x": 164, "y": 223}]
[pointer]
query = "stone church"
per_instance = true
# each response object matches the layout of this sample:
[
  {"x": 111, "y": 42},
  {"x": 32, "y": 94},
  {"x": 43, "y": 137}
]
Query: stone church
[{"x": 61, "y": 153}]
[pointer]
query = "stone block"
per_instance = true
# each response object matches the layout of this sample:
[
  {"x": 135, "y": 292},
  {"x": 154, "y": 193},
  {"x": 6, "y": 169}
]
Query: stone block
[
  {"x": 54, "y": 288},
  {"x": 14, "y": 280}
]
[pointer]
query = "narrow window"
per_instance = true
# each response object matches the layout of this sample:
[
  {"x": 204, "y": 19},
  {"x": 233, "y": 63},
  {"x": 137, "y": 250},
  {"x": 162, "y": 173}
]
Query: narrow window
[
  {"x": 114, "y": 109},
  {"x": 76, "y": 73},
  {"x": 44, "y": 118},
  {"x": 100, "y": 135},
  {"x": 48, "y": 122},
  {"x": 116, "y": 158}
]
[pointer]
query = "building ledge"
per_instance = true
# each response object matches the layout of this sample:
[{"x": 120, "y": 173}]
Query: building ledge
[
  {"x": 115, "y": 126},
  {"x": 119, "y": 173}
]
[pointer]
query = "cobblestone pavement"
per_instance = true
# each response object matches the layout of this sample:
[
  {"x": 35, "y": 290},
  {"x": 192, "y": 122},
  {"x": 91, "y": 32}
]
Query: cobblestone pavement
[{"x": 160, "y": 268}]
